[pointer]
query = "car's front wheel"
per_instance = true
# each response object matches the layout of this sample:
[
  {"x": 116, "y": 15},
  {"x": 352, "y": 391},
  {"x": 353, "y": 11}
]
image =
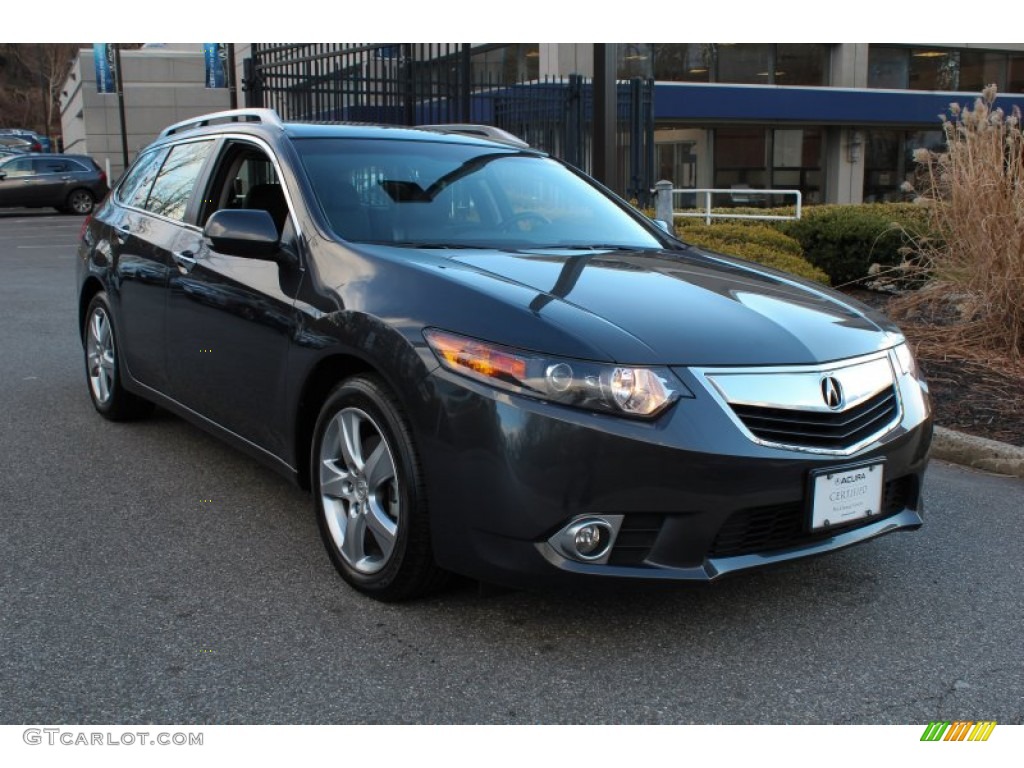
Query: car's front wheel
[
  {"x": 102, "y": 368},
  {"x": 80, "y": 202},
  {"x": 369, "y": 495}
]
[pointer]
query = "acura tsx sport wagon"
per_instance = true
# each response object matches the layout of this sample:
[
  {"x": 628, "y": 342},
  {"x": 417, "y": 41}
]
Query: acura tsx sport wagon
[{"x": 479, "y": 361}]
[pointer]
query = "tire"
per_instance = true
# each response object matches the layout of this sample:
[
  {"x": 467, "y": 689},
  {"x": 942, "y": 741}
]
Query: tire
[
  {"x": 80, "y": 202},
  {"x": 102, "y": 367},
  {"x": 368, "y": 493}
]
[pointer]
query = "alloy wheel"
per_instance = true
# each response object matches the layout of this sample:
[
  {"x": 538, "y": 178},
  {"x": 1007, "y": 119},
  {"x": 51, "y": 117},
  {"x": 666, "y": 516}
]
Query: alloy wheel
[
  {"x": 100, "y": 351},
  {"x": 359, "y": 490},
  {"x": 80, "y": 202}
]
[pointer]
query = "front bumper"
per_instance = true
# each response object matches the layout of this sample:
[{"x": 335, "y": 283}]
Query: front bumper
[{"x": 698, "y": 500}]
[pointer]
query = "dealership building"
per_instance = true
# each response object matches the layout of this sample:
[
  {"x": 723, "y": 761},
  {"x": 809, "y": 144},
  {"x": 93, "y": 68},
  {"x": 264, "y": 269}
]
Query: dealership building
[{"x": 837, "y": 121}]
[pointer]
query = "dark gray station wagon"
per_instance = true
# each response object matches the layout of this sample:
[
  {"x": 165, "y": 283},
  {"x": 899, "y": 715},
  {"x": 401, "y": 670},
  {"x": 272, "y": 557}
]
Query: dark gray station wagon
[
  {"x": 69, "y": 183},
  {"x": 479, "y": 361}
]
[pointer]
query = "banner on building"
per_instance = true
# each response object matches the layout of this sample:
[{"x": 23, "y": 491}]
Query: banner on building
[
  {"x": 216, "y": 55},
  {"x": 106, "y": 68}
]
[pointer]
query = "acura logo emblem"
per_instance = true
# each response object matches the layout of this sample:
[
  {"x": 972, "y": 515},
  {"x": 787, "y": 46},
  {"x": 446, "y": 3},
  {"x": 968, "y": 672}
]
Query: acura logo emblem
[{"x": 832, "y": 392}]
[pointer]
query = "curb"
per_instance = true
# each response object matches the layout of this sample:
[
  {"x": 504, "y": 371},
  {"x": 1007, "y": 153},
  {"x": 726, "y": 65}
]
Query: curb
[{"x": 977, "y": 452}]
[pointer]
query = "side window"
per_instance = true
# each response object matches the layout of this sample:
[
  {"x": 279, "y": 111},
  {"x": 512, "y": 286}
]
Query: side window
[
  {"x": 17, "y": 168},
  {"x": 178, "y": 176},
  {"x": 41, "y": 165},
  {"x": 134, "y": 189},
  {"x": 247, "y": 179}
]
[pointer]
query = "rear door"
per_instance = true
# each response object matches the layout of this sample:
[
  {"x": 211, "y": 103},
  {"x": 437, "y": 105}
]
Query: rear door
[
  {"x": 54, "y": 176},
  {"x": 148, "y": 224}
]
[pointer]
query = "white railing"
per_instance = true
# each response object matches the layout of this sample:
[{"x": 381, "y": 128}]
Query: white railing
[{"x": 665, "y": 208}]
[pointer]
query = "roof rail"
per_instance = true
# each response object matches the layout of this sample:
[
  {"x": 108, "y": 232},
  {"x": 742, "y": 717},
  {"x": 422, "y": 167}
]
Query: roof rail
[
  {"x": 268, "y": 116},
  {"x": 481, "y": 131}
]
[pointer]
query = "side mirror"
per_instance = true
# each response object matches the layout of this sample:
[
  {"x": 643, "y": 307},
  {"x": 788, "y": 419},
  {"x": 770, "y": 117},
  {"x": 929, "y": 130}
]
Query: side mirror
[
  {"x": 3, "y": 175},
  {"x": 247, "y": 233},
  {"x": 663, "y": 227}
]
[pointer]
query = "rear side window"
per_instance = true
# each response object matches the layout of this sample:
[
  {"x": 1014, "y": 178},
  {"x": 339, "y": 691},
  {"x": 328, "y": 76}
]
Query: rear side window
[
  {"x": 178, "y": 176},
  {"x": 43, "y": 165},
  {"x": 135, "y": 188}
]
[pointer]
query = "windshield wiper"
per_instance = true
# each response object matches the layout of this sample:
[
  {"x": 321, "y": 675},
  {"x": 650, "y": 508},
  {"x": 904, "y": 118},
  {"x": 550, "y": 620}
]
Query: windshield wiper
[{"x": 587, "y": 247}]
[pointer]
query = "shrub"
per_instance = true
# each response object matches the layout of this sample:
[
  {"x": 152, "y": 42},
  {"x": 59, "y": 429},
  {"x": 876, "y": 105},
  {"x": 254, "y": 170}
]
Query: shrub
[
  {"x": 976, "y": 205},
  {"x": 755, "y": 242},
  {"x": 845, "y": 240}
]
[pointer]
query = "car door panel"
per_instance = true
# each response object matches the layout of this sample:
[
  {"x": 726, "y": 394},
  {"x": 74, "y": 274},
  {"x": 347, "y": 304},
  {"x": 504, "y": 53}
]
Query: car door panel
[{"x": 229, "y": 326}]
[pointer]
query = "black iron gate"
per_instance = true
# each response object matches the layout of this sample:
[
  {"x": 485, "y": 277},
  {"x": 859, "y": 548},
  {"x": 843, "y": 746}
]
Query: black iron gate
[{"x": 423, "y": 84}]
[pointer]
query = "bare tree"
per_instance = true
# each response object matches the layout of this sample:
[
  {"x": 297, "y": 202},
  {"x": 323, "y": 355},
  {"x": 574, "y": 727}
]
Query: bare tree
[{"x": 31, "y": 77}]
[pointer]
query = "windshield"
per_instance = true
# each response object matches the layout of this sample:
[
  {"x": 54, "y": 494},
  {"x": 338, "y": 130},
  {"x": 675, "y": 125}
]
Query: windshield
[{"x": 435, "y": 194}]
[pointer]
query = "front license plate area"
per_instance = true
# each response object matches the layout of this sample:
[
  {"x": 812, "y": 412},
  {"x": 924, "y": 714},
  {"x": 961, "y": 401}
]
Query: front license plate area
[{"x": 842, "y": 495}]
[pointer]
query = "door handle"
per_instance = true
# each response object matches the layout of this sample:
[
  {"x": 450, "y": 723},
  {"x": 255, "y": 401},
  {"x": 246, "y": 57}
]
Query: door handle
[
  {"x": 186, "y": 259},
  {"x": 122, "y": 232}
]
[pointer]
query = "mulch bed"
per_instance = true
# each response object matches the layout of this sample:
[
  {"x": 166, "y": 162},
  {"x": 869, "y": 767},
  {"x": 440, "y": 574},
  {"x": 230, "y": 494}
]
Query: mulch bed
[{"x": 968, "y": 395}]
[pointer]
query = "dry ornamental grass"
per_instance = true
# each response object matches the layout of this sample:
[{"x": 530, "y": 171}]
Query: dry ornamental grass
[{"x": 975, "y": 194}]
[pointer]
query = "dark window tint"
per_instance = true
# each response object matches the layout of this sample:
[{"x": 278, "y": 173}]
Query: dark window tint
[
  {"x": 800, "y": 64},
  {"x": 173, "y": 187},
  {"x": 135, "y": 188},
  {"x": 744, "y": 63},
  {"x": 41, "y": 165},
  {"x": 981, "y": 68},
  {"x": 1015, "y": 76}
]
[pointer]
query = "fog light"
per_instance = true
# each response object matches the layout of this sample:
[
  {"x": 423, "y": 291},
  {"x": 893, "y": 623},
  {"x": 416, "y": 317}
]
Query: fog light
[{"x": 589, "y": 539}]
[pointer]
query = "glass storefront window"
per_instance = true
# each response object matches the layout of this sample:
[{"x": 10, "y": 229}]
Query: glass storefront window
[
  {"x": 944, "y": 69},
  {"x": 744, "y": 63},
  {"x": 981, "y": 68},
  {"x": 509, "y": 63},
  {"x": 933, "y": 69},
  {"x": 1015, "y": 74},
  {"x": 634, "y": 60},
  {"x": 882, "y": 176},
  {"x": 800, "y": 64},
  {"x": 889, "y": 162},
  {"x": 684, "y": 62},
  {"x": 887, "y": 67}
]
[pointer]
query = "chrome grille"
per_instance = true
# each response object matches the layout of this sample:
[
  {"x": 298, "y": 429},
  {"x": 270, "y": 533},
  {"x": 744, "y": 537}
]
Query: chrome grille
[
  {"x": 831, "y": 430},
  {"x": 835, "y": 408}
]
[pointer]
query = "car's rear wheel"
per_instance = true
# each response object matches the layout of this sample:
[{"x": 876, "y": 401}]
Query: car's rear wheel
[
  {"x": 102, "y": 367},
  {"x": 80, "y": 202},
  {"x": 369, "y": 495}
]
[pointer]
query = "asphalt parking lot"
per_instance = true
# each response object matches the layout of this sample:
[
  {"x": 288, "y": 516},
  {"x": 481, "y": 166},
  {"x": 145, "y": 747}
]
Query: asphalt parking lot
[{"x": 149, "y": 573}]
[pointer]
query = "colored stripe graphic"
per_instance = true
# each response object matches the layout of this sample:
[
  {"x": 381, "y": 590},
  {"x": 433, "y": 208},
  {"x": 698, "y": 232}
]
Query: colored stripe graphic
[
  {"x": 982, "y": 731},
  {"x": 959, "y": 730}
]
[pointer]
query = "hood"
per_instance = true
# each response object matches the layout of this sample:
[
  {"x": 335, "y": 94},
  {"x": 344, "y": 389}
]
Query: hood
[{"x": 693, "y": 307}]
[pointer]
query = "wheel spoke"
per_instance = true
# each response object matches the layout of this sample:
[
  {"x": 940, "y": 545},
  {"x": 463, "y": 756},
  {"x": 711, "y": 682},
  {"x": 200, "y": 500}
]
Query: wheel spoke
[
  {"x": 97, "y": 328},
  {"x": 351, "y": 440},
  {"x": 379, "y": 466},
  {"x": 353, "y": 544},
  {"x": 335, "y": 482},
  {"x": 103, "y": 385},
  {"x": 383, "y": 529}
]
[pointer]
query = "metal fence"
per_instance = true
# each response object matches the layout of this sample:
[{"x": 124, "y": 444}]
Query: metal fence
[{"x": 423, "y": 84}]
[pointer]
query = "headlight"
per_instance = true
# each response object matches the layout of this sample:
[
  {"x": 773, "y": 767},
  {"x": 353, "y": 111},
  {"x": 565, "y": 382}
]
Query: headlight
[
  {"x": 906, "y": 360},
  {"x": 620, "y": 389}
]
